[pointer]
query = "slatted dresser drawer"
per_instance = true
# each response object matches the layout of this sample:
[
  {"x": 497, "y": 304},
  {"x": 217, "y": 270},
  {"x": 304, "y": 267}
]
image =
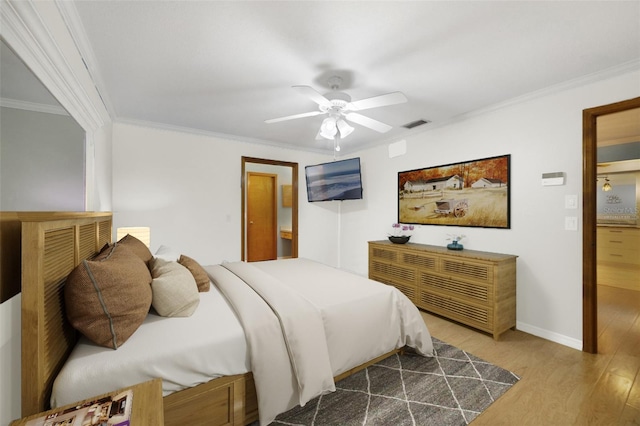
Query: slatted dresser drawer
[
  {"x": 472, "y": 287},
  {"x": 472, "y": 292},
  {"x": 386, "y": 266},
  {"x": 478, "y": 316}
]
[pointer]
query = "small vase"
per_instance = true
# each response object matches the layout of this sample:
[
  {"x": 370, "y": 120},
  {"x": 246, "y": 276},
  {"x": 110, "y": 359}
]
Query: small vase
[{"x": 455, "y": 246}]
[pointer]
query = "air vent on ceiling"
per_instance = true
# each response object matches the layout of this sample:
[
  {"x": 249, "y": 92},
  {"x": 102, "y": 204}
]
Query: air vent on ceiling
[{"x": 416, "y": 124}]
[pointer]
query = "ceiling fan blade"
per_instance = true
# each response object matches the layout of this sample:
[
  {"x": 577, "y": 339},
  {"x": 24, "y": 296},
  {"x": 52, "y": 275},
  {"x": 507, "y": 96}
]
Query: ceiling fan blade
[
  {"x": 291, "y": 117},
  {"x": 377, "y": 101},
  {"x": 313, "y": 94},
  {"x": 367, "y": 122}
]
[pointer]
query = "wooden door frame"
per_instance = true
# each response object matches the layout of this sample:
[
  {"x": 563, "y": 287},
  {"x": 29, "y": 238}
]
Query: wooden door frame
[
  {"x": 589, "y": 259},
  {"x": 294, "y": 201}
]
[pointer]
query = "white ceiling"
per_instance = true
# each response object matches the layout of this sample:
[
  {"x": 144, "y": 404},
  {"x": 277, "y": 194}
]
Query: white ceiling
[{"x": 223, "y": 67}]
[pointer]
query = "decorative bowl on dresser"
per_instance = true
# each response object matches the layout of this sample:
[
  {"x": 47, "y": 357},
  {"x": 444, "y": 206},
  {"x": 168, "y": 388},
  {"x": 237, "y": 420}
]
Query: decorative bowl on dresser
[
  {"x": 472, "y": 287},
  {"x": 399, "y": 240}
]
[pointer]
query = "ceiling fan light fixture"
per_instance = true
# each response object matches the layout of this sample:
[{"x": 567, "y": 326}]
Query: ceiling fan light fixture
[
  {"x": 339, "y": 107},
  {"x": 344, "y": 128},
  {"x": 328, "y": 128}
]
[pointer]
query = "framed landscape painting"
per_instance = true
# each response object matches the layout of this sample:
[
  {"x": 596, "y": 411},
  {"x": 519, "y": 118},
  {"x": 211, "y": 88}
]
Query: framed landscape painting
[{"x": 472, "y": 193}]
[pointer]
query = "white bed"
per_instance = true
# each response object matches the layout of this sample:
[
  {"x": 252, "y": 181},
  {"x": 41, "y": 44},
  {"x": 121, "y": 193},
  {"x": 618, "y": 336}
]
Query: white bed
[
  {"x": 352, "y": 317},
  {"x": 361, "y": 319}
]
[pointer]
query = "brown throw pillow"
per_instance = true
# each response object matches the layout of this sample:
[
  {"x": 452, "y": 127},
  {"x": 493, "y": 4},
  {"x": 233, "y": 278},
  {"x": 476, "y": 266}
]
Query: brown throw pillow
[
  {"x": 137, "y": 246},
  {"x": 104, "y": 252},
  {"x": 108, "y": 299},
  {"x": 198, "y": 272}
]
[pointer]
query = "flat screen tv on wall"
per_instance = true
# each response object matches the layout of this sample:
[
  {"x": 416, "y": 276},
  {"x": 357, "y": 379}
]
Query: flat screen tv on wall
[{"x": 338, "y": 180}]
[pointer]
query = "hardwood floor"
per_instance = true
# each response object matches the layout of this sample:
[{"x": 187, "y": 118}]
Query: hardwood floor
[{"x": 560, "y": 385}]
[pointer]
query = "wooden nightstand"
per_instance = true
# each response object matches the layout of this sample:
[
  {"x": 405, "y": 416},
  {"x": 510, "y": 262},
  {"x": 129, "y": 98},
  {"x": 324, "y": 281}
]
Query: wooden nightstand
[{"x": 146, "y": 406}]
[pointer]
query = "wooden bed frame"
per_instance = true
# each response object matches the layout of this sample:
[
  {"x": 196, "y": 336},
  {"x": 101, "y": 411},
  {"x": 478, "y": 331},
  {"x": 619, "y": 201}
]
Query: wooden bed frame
[{"x": 52, "y": 245}]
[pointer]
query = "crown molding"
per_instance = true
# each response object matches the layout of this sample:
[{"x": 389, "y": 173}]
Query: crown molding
[
  {"x": 32, "y": 106},
  {"x": 72, "y": 19},
  {"x": 624, "y": 68},
  {"x": 217, "y": 135},
  {"x": 25, "y": 31}
]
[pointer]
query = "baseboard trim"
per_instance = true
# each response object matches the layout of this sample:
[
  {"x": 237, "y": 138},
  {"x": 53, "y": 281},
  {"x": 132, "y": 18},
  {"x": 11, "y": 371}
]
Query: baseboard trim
[{"x": 550, "y": 335}]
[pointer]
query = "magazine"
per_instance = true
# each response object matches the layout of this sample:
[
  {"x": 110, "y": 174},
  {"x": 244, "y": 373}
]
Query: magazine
[{"x": 112, "y": 410}]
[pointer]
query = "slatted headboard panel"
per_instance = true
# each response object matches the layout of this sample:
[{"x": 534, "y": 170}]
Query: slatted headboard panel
[{"x": 50, "y": 251}]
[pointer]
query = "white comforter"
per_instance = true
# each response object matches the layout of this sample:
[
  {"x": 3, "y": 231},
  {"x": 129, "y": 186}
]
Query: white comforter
[
  {"x": 360, "y": 319},
  {"x": 184, "y": 352},
  {"x": 317, "y": 322}
]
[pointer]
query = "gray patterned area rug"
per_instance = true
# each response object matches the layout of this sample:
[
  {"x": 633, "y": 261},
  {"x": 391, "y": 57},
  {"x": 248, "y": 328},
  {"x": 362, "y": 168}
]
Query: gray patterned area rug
[{"x": 451, "y": 388}]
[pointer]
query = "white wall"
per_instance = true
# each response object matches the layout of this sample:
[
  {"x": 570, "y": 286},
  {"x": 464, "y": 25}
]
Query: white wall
[
  {"x": 10, "y": 378},
  {"x": 543, "y": 134},
  {"x": 42, "y": 162},
  {"x": 186, "y": 187}
]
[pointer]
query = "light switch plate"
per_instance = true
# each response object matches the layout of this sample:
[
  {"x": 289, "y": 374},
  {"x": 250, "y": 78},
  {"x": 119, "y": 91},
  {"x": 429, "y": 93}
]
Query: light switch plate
[
  {"x": 571, "y": 223},
  {"x": 571, "y": 201}
]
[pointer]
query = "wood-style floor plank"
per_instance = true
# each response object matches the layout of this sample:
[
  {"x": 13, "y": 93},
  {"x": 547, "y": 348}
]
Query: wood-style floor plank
[
  {"x": 630, "y": 416},
  {"x": 634, "y": 394},
  {"x": 560, "y": 385},
  {"x": 606, "y": 403}
]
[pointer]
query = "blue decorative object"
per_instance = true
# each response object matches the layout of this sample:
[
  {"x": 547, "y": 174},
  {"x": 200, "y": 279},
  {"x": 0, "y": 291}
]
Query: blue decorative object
[{"x": 455, "y": 246}]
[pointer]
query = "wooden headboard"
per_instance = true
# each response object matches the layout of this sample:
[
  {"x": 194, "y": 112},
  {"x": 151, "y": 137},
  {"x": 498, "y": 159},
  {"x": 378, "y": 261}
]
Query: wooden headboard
[{"x": 51, "y": 248}]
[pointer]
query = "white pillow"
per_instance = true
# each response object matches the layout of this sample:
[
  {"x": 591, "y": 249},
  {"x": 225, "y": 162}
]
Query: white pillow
[
  {"x": 175, "y": 292},
  {"x": 167, "y": 253}
]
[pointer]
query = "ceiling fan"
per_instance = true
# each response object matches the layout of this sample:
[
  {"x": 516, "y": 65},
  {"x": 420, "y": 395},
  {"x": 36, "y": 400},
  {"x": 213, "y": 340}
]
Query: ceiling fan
[{"x": 339, "y": 107}]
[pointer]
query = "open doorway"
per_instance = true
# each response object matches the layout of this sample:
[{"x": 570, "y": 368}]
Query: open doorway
[
  {"x": 590, "y": 220},
  {"x": 282, "y": 208}
]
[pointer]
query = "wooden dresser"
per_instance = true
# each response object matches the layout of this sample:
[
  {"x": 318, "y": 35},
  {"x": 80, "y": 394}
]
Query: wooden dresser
[
  {"x": 618, "y": 254},
  {"x": 472, "y": 287}
]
